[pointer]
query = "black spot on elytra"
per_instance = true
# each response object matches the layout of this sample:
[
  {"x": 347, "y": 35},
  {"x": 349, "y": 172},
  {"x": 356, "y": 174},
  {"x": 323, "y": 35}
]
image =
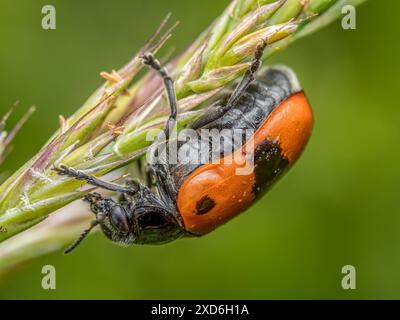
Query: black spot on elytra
[
  {"x": 204, "y": 205},
  {"x": 269, "y": 165}
]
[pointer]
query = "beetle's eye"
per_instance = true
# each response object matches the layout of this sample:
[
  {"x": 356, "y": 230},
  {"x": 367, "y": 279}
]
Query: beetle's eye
[{"x": 119, "y": 219}]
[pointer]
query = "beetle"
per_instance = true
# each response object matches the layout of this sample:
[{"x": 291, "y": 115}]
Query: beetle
[{"x": 193, "y": 200}]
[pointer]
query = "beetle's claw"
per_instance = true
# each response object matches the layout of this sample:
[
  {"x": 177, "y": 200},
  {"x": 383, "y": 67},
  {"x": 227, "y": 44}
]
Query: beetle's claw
[
  {"x": 62, "y": 170},
  {"x": 149, "y": 60}
]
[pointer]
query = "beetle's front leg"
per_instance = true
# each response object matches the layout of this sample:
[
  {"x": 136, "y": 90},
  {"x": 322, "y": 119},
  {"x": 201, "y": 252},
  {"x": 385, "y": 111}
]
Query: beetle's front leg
[
  {"x": 149, "y": 60},
  {"x": 63, "y": 170}
]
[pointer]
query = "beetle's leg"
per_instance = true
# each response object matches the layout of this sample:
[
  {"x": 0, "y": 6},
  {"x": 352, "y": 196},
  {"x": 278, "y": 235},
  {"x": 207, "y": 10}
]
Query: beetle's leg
[
  {"x": 79, "y": 175},
  {"x": 134, "y": 185},
  {"x": 160, "y": 172},
  {"x": 248, "y": 78},
  {"x": 149, "y": 60},
  {"x": 149, "y": 176},
  {"x": 213, "y": 113},
  {"x": 144, "y": 172},
  {"x": 165, "y": 187}
]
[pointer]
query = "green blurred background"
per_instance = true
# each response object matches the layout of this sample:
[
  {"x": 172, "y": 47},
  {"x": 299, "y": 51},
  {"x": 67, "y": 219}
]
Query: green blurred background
[{"x": 338, "y": 206}]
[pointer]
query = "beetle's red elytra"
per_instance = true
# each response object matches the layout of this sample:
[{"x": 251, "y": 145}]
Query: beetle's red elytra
[
  {"x": 185, "y": 199},
  {"x": 289, "y": 125}
]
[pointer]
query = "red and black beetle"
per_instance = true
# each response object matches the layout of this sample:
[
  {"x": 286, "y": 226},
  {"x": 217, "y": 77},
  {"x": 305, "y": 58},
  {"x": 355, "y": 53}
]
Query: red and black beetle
[{"x": 195, "y": 199}]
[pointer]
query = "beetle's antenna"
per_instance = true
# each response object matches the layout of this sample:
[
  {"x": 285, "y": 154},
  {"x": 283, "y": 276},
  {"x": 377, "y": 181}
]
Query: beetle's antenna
[{"x": 83, "y": 235}]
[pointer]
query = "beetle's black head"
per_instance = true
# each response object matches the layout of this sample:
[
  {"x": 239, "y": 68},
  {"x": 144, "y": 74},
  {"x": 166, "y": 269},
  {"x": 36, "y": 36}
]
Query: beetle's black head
[
  {"x": 112, "y": 218},
  {"x": 127, "y": 223},
  {"x": 139, "y": 218}
]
